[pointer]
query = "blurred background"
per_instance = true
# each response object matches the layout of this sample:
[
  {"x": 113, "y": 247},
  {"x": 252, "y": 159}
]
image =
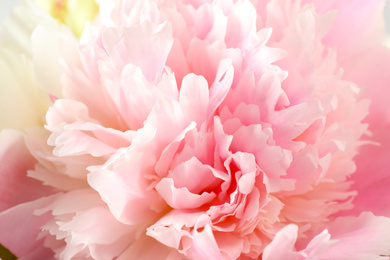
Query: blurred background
[{"x": 7, "y": 5}]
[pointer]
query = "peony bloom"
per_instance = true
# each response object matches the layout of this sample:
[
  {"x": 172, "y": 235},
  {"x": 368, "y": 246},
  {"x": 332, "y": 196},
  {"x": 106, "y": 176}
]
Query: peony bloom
[{"x": 206, "y": 130}]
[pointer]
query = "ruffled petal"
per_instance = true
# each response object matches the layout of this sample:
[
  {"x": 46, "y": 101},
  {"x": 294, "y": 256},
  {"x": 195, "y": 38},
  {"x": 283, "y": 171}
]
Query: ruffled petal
[
  {"x": 15, "y": 186},
  {"x": 14, "y": 229}
]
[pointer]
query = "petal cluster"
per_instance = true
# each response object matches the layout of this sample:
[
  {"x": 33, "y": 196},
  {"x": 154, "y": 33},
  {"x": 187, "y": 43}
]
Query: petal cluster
[{"x": 201, "y": 130}]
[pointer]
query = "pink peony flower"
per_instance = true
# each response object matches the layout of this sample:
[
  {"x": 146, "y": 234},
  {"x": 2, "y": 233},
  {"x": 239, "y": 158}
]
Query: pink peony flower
[{"x": 207, "y": 130}]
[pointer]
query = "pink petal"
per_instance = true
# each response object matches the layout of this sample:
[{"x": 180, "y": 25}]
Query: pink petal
[
  {"x": 132, "y": 94},
  {"x": 194, "y": 176},
  {"x": 21, "y": 236},
  {"x": 128, "y": 204},
  {"x": 194, "y": 98},
  {"x": 171, "y": 229},
  {"x": 75, "y": 133},
  {"x": 272, "y": 160},
  {"x": 282, "y": 245},
  {"x": 181, "y": 198},
  {"x": 76, "y": 223},
  {"x": 373, "y": 158},
  {"x": 15, "y": 186},
  {"x": 363, "y": 20},
  {"x": 147, "y": 248},
  {"x": 146, "y": 46},
  {"x": 64, "y": 173},
  {"x": 221, "y": 86},
  {"x": 363, "y": 237},
  {"x": 241, "y": 24},
  {"x": 204, "y": 59},
  {"x": 204, "y": 245}
]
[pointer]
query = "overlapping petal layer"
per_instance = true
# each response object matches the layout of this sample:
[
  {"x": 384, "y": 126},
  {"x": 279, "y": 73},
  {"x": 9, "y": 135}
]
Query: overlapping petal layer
[{"x": 208, "y": 130}]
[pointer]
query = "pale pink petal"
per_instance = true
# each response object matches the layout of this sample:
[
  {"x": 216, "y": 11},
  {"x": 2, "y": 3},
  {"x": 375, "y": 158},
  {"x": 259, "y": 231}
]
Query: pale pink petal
[
  {"x": 273, "y": 160},
  {"x": 230, "y": 245},
  {"x": 373, "y": 192},
  {"x": 169, "y": 120},
  {"x": 373, "y": 157},
  {"x": 19, "y": 224},
  {"x": 60, "y": 172},
  {"x": 363, "y": 20},
  {"x": 76, "y": 223},
  {"x": 81, "y": 84},
  {"x": 208, "y": 21},
  {"x": 169, "y": 152},
  {"x": 373, "y": 81},
  {"x": 176, "y": 60},
  {"x": 196, "y": 3},
  {"x": 282, "y": 245},
  {"x": 204, "y": 245},
  {"x": 363, "y": 237},
  {"x": 129, "y": 204},
  {"x": 195, "y": 176},
  {"x": 81, "y": 135},
  {"x": 146, "y": 248},
  {"x": 146, "y": 46},
  {"x": 136, "y": 12},
  {"x": 262, "y": 56},
  {"x": 132, "y": 94},
  {"x": 204, "y": 59},
  {"x": 318, "y": 245},
  {"x": 171, "y": 229},
  {"x": 241, "y": 25},
  {"x": 15, "y": 186},
  {"x": 221, "y": 86},
  {"x": 194, "y": 98},
  {"x": 181, "y": 198}
]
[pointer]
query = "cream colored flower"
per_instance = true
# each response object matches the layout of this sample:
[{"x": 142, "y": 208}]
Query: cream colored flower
[
  {"x": 30, "y": 45},
  {"x": 21, "y": 100},
  {"x": 72, "y": 13}
]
